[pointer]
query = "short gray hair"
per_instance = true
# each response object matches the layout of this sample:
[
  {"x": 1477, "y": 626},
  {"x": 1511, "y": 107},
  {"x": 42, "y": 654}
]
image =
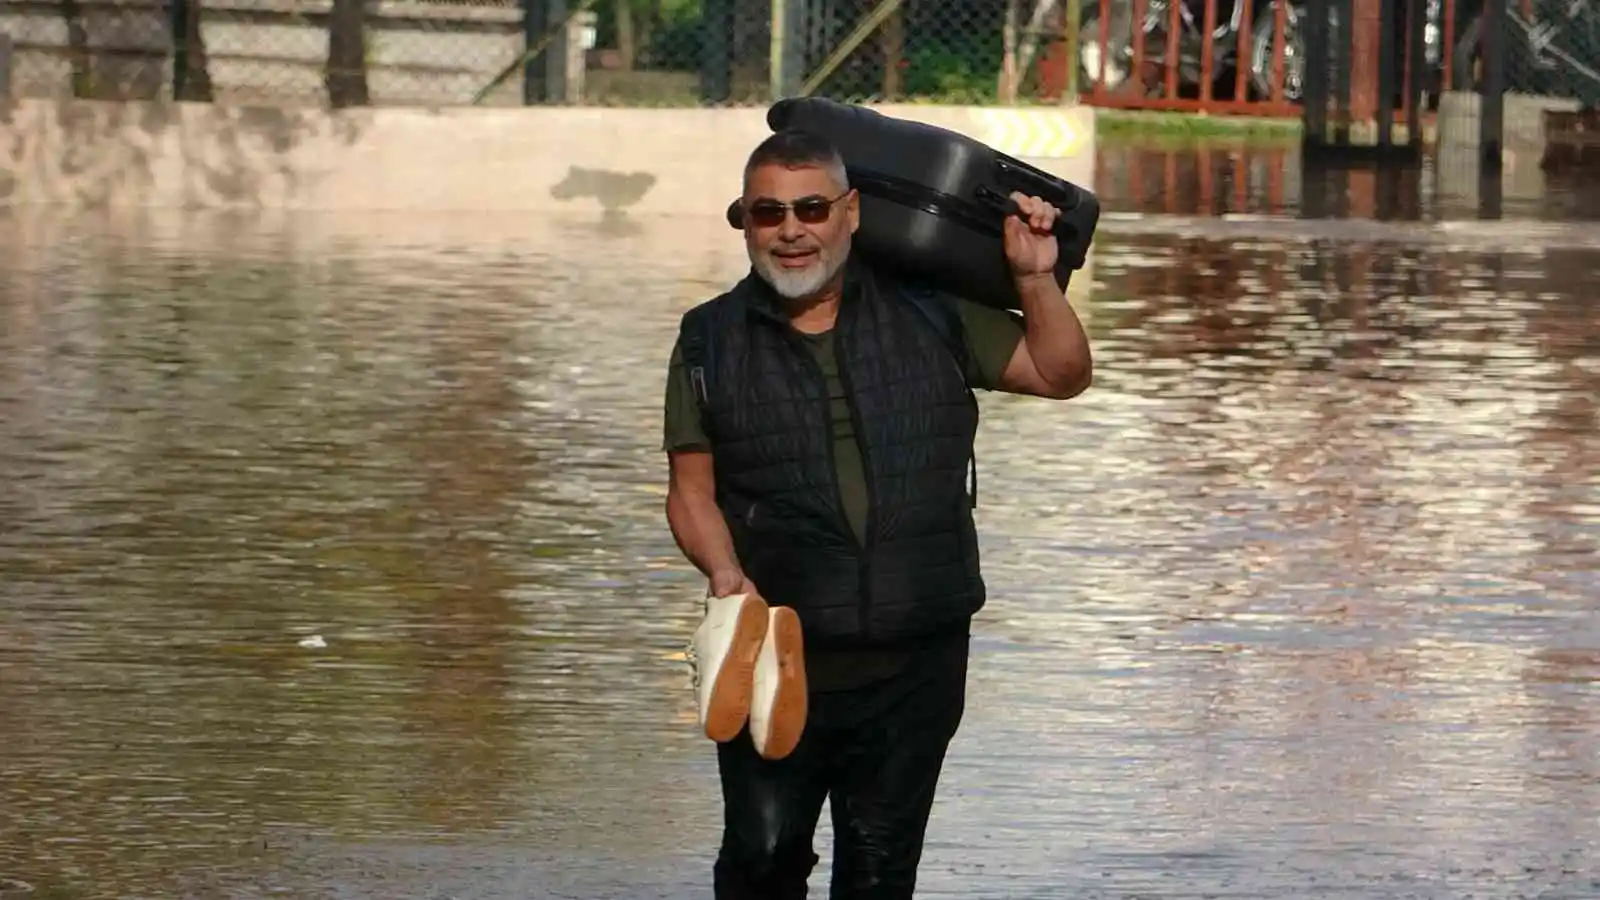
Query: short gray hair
[{"x": 796, "y": 149}]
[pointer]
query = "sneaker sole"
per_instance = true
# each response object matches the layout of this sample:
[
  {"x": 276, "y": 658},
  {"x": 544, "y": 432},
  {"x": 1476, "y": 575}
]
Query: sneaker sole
[
  {"x": 787, "y": 719},
  {"x": 729, "y": 706}
]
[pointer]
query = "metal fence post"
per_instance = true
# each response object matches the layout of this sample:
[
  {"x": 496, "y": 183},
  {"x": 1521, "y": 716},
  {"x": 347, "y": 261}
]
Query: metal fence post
[
  {"x": 535, "y": 23},
  {"x": 1074, "y": 19},
  {"x": 555, "y": 55},
  {"x": 777, "y": 49},
  {"x": 578, "y": 38},
  {"x": 1344, "y": 68},
  {"x": 1389, "y": 69},
  {"x": 716, "y": 51},
  {"x": 5, "y": 64},
  {"x": 786, "y": 60},
  {"x": 178, "y": 21},
  {"x": 1318, "y": 54},
  {"x": 1416, "y": 25},
  {"x": 1496, "y": 35}
]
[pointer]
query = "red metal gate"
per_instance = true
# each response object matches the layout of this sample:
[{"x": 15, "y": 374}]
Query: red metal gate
[{"x": 1242, "y": 57}]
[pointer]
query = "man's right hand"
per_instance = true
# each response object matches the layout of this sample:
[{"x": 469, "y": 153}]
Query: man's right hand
[{"x": 725, "y": 582}]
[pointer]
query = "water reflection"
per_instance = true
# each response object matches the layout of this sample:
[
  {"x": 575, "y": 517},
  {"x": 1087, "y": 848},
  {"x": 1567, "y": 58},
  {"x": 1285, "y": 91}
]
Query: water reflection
[
  {"x": 1298, "y": 600},
  {"x": 1229, "y": 176},
  {"x": 1207, "y": 177}
]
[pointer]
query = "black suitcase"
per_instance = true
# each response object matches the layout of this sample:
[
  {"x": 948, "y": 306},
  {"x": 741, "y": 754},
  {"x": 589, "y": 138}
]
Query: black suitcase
[{"x": 933, "y": 201}]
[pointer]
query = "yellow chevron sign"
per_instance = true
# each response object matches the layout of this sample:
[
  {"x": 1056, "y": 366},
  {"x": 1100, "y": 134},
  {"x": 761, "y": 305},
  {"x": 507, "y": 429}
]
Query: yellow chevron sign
[{"x": 1031, "y": 132}]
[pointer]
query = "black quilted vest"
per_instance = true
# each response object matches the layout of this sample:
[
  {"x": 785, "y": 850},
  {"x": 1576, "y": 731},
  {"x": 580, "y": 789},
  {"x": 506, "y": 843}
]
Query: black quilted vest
[{"x": 765, "y": 409}]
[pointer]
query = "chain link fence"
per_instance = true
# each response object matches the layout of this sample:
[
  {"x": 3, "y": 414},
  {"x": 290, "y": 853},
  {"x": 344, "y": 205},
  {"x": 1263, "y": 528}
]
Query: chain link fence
[
  {"x": 512, "y": 52},
  {"x": 1553, "y": 48},
  {"x": 947, "y": 51},
  {"x": 283, "y": 52},
  {"x": 658, "y": 52}
]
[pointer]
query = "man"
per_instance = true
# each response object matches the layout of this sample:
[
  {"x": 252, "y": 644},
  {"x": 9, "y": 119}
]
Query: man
[{"x": 819, "y": 426}]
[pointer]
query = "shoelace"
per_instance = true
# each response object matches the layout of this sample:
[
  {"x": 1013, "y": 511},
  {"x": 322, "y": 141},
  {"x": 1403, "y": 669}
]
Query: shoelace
[{"x": 693, "y": 659}]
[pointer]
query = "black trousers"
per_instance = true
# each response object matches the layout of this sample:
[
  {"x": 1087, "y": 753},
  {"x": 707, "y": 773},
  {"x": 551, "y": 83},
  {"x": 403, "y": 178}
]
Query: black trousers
[{"x": 875, "y": 752}]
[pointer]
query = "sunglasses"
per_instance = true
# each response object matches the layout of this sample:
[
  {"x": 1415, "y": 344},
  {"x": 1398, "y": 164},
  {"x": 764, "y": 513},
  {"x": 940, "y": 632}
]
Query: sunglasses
[{"x": 812, "y": 210}]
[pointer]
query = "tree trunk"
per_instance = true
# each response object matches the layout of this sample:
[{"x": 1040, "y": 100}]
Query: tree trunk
[
  {"x": 627, "y": 42},
  {"x": 1030, "y": 39},
  {"x": 346, "y": 72},
  {"x": 197, "y": 85},
  {"x": 645, "y": 28},
  {"x": 892, "y": 41},
  {"x": 1007, "y": 86}
]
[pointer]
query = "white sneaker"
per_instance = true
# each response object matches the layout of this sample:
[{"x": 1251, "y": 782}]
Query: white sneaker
[
  {"x": 778, "y": 707},
  {"x": 723, "y": 655}
]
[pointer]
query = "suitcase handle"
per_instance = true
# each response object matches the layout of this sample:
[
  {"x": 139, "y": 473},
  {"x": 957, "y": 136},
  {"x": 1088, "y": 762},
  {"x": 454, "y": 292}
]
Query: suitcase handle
[
  {"x": 1020, "y": 176},
  {"x": 1063, "y": 229}
]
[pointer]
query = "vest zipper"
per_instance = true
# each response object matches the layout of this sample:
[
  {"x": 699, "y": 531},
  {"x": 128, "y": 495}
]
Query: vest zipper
[
  {"x": 827, "y": 410},
  {"x": 864, "y": 568},
  {"x": 870, "y": 538}
]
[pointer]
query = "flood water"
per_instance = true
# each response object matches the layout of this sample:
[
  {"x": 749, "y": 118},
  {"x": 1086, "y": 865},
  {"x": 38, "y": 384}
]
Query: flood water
[
  {"x": 1220, "y": 176},
  {"x": 1297, "y": 602}
]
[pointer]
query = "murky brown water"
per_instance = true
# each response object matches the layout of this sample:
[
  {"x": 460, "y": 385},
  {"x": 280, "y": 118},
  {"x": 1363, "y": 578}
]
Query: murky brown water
[
  {"x": 1221, "y": 176},
  {"x": 1298, "y": 602}
]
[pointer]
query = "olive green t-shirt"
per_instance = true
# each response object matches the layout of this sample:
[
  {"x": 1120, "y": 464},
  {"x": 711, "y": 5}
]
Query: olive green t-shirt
[{"x": 991, "y": 336}]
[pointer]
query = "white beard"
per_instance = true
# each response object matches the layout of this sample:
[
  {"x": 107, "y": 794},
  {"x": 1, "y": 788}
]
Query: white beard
[{"x": 798, "y": 284}]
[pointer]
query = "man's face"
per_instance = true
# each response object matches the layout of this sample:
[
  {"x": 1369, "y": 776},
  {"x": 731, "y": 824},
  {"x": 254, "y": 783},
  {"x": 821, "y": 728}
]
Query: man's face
[{"x": 797, "y": 227}]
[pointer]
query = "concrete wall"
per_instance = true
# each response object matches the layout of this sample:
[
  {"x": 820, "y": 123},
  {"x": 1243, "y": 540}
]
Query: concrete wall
[
  {"x": 646, "y": 161},
  {"x": 1457, "y": 150}
]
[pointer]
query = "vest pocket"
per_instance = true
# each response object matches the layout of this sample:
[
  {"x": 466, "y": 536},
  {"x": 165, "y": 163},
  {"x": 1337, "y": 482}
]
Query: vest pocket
[{"x": 743, "y": 518}]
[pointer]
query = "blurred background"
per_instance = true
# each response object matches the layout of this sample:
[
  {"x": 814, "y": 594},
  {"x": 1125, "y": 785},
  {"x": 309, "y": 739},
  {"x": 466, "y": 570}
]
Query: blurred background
[{"x": 692, "y": 52}]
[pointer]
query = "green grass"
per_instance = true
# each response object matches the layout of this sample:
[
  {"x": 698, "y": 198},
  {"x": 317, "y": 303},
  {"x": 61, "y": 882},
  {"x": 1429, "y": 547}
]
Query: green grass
[{"x": 1142, "y": 126}]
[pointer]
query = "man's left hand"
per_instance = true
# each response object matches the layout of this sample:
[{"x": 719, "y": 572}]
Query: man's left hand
[{"x": 1031, "y": 247}]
